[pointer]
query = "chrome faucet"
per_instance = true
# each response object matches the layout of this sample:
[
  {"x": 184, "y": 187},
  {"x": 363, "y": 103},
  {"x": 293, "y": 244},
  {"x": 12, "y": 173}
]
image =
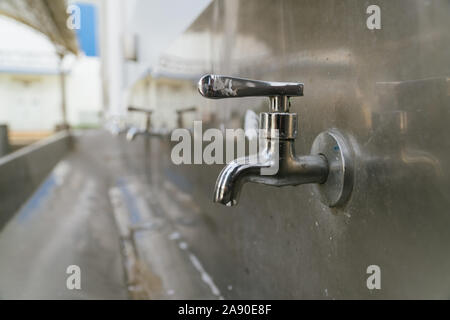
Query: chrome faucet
[
  {"x": 133, "y": 132},
  {"x": 181, "y": 112},
  {"x": 278, "y": 131}
]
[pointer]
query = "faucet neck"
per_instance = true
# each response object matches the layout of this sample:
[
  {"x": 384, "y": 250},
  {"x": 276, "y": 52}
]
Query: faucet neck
[
  {"x": 284, "y": 149},
  {"x": 277, "y": 125},
  {"x": 280, "y": 104}
]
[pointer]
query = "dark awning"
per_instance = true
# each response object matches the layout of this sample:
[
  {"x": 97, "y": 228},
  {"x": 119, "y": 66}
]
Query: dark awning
[{"x": 47, "y": 16}]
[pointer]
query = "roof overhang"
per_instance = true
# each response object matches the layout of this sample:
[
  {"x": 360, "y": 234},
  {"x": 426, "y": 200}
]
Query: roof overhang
[{"x": 47, "y": 16}]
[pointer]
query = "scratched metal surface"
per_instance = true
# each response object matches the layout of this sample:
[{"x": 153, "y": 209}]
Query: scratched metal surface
[{"x": 389, "y": 90}]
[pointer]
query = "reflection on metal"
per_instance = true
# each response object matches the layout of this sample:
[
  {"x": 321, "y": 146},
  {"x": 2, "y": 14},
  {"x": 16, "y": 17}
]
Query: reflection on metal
[
  {"x": 251, "y": 125},
  {"x": 399, "y": 117},
  {"x": 420, "y": 157},
  {"x": 191, "y": 67},
  {"x": 339, "y": 185},
  {"x": 220, "y": 87},
  {"x": 388, "y": 91}
]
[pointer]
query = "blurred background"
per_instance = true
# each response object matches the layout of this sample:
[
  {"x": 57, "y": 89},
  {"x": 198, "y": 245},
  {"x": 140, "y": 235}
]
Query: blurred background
[
  {"x": 82, "y": 63},
  {"x": 90, "y": 92},
  {"x": 68, "y": 68}
]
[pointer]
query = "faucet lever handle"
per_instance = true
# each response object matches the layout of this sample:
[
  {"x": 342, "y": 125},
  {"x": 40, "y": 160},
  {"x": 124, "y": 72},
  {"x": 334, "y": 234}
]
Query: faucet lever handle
[
  {"x": 186, "y": 110},
  {"x": 219, "y": 87},
  {"x": 147, "y": 113},
  {"x": 139, "y": 109}
]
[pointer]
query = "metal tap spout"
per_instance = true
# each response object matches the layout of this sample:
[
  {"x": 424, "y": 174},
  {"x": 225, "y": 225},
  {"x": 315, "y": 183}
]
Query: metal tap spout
[{"x": 269, "y": 167}]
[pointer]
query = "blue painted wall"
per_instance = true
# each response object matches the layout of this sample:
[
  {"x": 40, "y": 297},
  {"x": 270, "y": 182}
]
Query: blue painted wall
[{"x": 88, "y": 33}]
